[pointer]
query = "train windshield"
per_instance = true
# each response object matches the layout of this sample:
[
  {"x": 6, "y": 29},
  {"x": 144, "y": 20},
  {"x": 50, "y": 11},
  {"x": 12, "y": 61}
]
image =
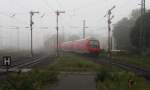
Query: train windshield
[{"x": 94, "y": 43}]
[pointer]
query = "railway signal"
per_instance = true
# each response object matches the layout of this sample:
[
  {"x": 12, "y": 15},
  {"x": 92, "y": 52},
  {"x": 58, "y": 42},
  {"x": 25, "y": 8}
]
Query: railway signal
[
  {"x": 57, "y": 28},
  {"x": 110, "y": 17},
  {"x": 31, "y": 27}
]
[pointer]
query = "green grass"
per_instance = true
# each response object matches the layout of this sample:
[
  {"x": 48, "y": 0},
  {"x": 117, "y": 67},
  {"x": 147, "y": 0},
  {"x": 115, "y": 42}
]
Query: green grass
[
  {"x": 142, "y": 61},
  {"x": 118, "y": 80},
  {"x": 103, "y": 54},
  {"x": 34, "y": 80},
  {"x": 107, "y": 78},
  {"x": 74, "y": 63}
]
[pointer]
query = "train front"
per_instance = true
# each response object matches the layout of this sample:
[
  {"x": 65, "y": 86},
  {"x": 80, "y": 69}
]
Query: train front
[{"x": 94, "y": 47}]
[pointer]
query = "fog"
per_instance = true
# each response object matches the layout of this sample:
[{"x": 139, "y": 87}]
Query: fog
[{"x": 15, "y": 19}]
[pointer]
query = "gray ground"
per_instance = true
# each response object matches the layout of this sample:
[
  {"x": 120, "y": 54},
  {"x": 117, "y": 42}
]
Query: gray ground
[{"x": 76, "y": 82}]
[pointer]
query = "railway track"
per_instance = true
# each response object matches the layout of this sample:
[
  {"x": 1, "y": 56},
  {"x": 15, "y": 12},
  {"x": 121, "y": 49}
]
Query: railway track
[
  {"x": 124, "y": 65},
  {"x": 27, "y": 64},
  {"x": 136, "y": 69},
  {"x": 130, "y": 67}
]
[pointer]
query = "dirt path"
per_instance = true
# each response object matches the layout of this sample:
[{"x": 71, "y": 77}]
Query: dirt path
[{"x": 76, "y": 82}]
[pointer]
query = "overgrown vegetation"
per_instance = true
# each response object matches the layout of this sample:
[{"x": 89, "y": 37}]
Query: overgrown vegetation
[
  {"x": 108, "y": 77},
  {"x": 119, "y": 80},
  {"x": 141, "y": 61},
  {"x": 74, "y": 63},
  {"x": 103, "y": 54},
  {"x": 34, "y": 80}
]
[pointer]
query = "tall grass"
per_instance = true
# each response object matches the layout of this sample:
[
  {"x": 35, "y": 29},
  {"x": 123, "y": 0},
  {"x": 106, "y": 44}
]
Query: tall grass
[
  {"x": 74, "y": 63},
  {"x": 114, "y": 80},
  {"x": 34, "y": 80},
  {"x": 142, "y": 61}
]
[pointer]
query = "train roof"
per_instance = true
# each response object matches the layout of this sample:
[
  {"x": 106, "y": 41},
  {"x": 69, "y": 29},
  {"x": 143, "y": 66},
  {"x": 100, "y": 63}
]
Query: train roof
[
  {"x": 92, "y": 38},
  {"x": 88, "y": 38}
]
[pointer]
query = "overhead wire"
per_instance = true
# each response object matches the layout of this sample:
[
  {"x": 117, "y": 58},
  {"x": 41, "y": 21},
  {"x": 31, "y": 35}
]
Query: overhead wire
[
  {"x": 12, "y": 17},
  {"x": 122, "y": 5},
  {"x": 47, "y": 4},
  {"x": 83, "y": 7},
  {"x": 80, "y": 8},
  {"x": 59, "y": 4}
]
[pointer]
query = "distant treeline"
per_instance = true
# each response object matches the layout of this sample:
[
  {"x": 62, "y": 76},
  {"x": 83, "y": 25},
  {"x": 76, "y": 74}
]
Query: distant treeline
[{"x": 127, "y": 31}]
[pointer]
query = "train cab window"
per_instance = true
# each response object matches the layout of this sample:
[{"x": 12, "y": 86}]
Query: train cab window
[{"x": 94, "y": 44}]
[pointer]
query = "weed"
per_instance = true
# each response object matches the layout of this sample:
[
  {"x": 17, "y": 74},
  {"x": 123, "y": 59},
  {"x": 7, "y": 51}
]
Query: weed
[{"x": 34, "y": 80}]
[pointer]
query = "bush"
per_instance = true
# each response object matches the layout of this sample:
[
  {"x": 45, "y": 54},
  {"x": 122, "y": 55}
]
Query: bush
[
  {"x": 34, "y": 80},
  {"x": 112, "y": 80},
  {"x": 101, "y": 76}
]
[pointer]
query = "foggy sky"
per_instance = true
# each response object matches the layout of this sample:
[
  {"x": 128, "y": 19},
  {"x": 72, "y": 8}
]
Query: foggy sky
[{"x": 76, "y": 11}]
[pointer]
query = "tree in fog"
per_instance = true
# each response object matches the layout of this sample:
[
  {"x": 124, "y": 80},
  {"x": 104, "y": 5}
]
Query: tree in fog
[
  {"x": 122, "y": 30},
  {"x": 121, "y": 34},
  {"x": 135, "y": 33},
  {"x": 136, "y": 13}
]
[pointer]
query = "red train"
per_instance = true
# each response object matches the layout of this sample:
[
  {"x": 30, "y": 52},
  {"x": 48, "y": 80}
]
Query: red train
[{"x": 83, "y": 46}]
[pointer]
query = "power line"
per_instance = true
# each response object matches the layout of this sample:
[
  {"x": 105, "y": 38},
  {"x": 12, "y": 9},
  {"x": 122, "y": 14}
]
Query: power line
[
  {"x": 47, "y": 4},
  {"x": 82, "y": 7},
  {"x": 59, "y": 4},
  {"x": 12, "y": 16}
]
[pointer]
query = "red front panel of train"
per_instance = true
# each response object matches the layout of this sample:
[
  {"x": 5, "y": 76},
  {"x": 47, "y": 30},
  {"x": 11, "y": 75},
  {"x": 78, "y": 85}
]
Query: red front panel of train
[{"x": 94, "y": 47}]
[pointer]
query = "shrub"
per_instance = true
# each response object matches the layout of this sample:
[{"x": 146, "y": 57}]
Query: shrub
[
  {"x": 112, "y": 80},
  {"x": 34, "y": 80}
]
